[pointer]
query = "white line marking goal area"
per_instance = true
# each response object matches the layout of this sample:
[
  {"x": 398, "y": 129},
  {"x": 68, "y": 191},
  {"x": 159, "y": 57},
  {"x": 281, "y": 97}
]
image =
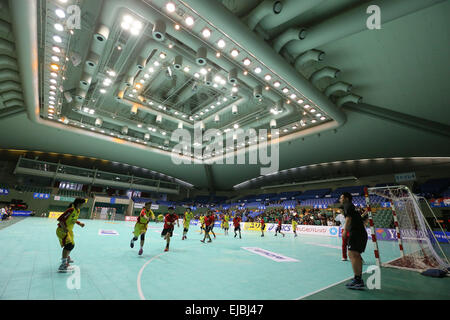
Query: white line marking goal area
[{"x": 270, "y": 255}]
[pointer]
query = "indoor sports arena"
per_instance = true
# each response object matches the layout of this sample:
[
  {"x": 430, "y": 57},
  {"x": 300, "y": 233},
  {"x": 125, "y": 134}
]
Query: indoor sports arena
[{"x": 224, "y": 150}]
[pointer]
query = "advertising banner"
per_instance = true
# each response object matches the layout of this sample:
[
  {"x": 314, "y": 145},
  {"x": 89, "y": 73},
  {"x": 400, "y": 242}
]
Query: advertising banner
[
  {"x": 440, "y": 202},
  {"x": 130, "y": 218},
  {"x": 41, "y": 195},
  {"x": 20, "y": 213}
]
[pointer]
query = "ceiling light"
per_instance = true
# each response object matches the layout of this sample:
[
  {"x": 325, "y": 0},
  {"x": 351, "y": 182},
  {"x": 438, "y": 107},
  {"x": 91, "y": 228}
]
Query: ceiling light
[
  {"x": 55, "y": 58},
  {"x": 125, "y": 25},
  {"x": 59, "y": 27},
  {"x": 258, "y": 70},
  {"x": 299, "y": 101},
  {"x": 247, "y": 61},
  {"x": 306, "y": 106},
  {"x": 177, "y": 27},
  {"x": 142, "y": 81},
  {"x": 53, "y": 87},
  {"x": 54, "y": 66},
  {"x": 170, "y": 6},
  {"x": 245, "y": 72},
  {"x": 53, "y": 81},
  {"x": 313, "y": 110},
  {"x": 285, "y": 130},
  {"x": 57, "y": 39},
  {"x": 203, "y": 71},
  {"x": 54, "y": 74},
  {"x": 186, "y": 69},
  {"x": 53, "y": 93},
  {"x": 102, "y": 91},
  {"x": 236, "y": 126},
  {"x": 322, "y": 118},
  {"x": 112, "y": 73},
  {"x": 60, "y": 13},
  {"x": 313, "y": 121},
  {"x": 119, "y": 48},
  {"x": 51, "y": 98},
  {"x": 151, "y": 70},
  {"x": 156, "y": 63},
  {"x": 218, "y": 54},
  {"x": 162, "y": 55},
  {"x": 189, "y": 21},
  {"x": 234, "y": 52},
  {"x": 146, "y": 76},
  {"x": 138, "y": 85},
  {"x": 276, "y": 84},
  {"x": 234, "y": 89},
  {"x": 206, "y": 33},
  {"x": 293, "y": 96},
  {"x": 267, "y": 77},
  {"x": 267, "y": 88},
  {"x": 139, "y": 125},
  {"x": 285, "y": 90},
  {"x": 196, "y": 75},
  {"x": 221, "y": 43}
]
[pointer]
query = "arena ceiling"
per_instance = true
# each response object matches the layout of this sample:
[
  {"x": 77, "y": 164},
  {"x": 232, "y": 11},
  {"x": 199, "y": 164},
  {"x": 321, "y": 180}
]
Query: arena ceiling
[{"x": 135, "y": 71}]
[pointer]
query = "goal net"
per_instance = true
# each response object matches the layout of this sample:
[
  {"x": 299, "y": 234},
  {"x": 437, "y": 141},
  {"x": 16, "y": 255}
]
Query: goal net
[
  {"x": 104, "y": 213},
  {"x": 405, "y": 216}
]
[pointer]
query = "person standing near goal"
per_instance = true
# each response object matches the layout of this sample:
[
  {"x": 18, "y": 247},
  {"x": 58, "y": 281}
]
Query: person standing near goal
[
  {"x": 340, "y": 217},
  {"x": 263, "y": 226},
  {"x": 169, "y": 225},
  {"x": 357, "y": 239},
  {"x": 140, "y": 228}
]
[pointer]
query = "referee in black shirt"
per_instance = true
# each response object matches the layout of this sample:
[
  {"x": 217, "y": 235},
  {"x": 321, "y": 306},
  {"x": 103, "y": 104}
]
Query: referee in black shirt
[{"x": 357, "y": 240}]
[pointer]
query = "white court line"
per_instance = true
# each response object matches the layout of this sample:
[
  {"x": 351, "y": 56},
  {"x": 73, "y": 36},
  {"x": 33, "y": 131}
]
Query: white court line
[
  {"x": 331, "y": 285},
  {"x": 324, "y": 245},
  {"x": 140, "y": 274}
]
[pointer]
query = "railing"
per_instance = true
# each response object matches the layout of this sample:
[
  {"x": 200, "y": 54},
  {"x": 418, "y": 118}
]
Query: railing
[{"x": 93, "y": 177}]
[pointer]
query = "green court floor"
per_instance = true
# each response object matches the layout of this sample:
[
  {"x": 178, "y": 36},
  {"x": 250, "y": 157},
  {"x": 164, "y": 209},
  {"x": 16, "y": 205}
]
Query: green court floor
[{"x": 110, "y": 269}]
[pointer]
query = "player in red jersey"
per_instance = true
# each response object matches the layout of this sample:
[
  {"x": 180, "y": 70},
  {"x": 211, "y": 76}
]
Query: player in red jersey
[
  {"x": 237, "y": 225},
  {"x": 263, "y": 226},
  {"x": 212, "y": 219},
  {"x": 169, "y": 222},
  {"x": 279, "y": 221},
  {"x": 209, "y": 221}
]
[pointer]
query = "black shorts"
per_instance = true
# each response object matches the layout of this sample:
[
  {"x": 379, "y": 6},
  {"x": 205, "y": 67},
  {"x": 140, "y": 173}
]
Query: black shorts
[
  {"x": 278, "y": 229},
  {"x": 167, "y": 231},
  {"x": 237, "y": 228},
  {"x": 208, "y": 229},
  {"x": 185, "y": 230},
  {"x": 357, "y": 242}
]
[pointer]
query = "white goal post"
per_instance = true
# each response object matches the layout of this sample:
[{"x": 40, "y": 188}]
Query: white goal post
[{"x": 419, "y": 249}]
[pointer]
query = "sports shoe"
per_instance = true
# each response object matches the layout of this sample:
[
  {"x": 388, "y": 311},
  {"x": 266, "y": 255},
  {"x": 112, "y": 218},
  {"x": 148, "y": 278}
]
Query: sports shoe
[
  {"x": 344, "y": 259},
  {"x": 235, "y": 235},
  {"x": 209, "y": 240},
  {"x": 141, "y": 251},
  {"x": 202, "y": 241},
  {"x": 182, "y": 238},
  {"x": 132, "y": 244},
  {"x": 240, "y": 237},
  {"x": 356, "y": 285},
  {"x": 166, "y": 249},
  {"x": 69, "y": 260},
  {"x": 283, "y": 235},
  {"x": 64, "y": 267}
]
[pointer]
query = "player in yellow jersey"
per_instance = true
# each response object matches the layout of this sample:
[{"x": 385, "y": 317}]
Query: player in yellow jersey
[
  {"x": 64, "y": 232},
  {"x": 188, "y": 215},
  {"x": 141, "y": 225},
  {"x": 225, "y": 223},
  {"x": 202, "y": 223},
  {"x": 294, "y": 226}
]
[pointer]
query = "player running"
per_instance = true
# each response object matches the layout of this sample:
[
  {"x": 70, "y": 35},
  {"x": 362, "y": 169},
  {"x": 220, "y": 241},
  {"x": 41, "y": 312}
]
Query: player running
[
  {"x": 294, "y": 226},
  {"x": 263, "y": 226},
  {"x": 237, "y": 225},
  {"x": 225, "y": 223},
  {"x": 64, "y": 232},
  {"x": 209, "y": 220},
  {"x": 140, "y": 228},
  {"x": 202, "y": 223},
  {"x": 188, "y": 215},
  {"x": 279, "y": 221},
  {"x": 169, "y": 222},
  {"x": 212, "y": 219}
]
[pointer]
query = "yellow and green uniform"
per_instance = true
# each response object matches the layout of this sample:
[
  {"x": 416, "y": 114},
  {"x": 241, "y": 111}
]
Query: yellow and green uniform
[
  {"x": 69, "y": 218},
  {"x": 225, "y": 223},
  {"x": 202, "y": 222},
  {"x": 187, "y": 219},
  {"x": 142, "y": 222},
  {"x": 294, "y": 225}
]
